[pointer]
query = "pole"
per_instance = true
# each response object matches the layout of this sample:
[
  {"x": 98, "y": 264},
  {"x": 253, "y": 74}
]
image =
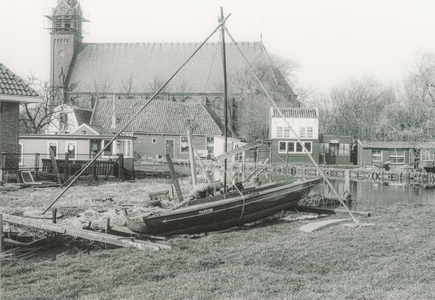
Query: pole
[
  {"x": 224, "y": 63},
  {"x": 191, "y": 157},
  {"x": 174, "y": 178}
]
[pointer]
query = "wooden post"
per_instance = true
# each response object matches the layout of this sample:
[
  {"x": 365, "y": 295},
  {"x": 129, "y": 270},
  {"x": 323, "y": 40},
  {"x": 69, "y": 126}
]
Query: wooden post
[
  {"x": 121, "y": 166},
  {"x": 107, "y": 230},
  {"x": 174, "y": 178},
  {"x": 55, "y": 216},
  {"x": 54, "y": 164},
  {"x": 37, "y": 158},
  {"x": 3, "y": 166},
  {"x": 1, "y": 230},
  {"x": 347, "y": 181},
  {"x": 191, "y": 158},
  {"x": 67, "y": 168}
]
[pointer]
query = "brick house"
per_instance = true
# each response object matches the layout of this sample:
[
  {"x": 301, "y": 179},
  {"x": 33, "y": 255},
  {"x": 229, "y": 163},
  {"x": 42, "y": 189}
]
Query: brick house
[
  {"x": 13, "y": 92},
  {"x": 284, "y": 145}
]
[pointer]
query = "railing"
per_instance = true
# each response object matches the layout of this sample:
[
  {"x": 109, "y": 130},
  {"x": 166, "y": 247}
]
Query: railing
[{"x": 102, "y": 167}]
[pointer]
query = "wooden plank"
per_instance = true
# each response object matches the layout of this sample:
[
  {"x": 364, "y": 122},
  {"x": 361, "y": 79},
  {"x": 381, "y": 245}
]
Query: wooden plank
[
  {"x": 86, "y": 234},
  {"x": 313, "y": 210},
  {"x": 316, "y": 226},
  {"x": 238, "y": 150},
  {"x": 174, "y": 178},
  {"x": 54, "y": 165},
  {"x": 191, "y": 157}
]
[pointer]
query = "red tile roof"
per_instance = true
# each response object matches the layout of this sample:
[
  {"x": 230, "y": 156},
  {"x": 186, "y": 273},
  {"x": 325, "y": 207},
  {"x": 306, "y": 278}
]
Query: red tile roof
[
  {"x": 158, "y": 117},
  {"x": 110, "y": 67},
  {"x": 292, "y": 112},
  {"x": 11, "y": 84}
]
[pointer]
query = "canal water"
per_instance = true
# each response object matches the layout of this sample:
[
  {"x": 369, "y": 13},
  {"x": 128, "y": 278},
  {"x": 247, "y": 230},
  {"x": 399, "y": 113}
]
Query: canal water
[{"x": 368, "y": 194}]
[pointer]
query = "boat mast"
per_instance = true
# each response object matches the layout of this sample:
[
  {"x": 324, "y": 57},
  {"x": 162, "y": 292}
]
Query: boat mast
[{"x": 224, "y": 64}]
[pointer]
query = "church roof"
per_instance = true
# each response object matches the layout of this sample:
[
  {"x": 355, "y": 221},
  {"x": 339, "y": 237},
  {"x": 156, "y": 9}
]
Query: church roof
[
  {"x": 141, "y": 67},
  {"x": 11, "y": 84},
  {"x": 158, "y": 117}
]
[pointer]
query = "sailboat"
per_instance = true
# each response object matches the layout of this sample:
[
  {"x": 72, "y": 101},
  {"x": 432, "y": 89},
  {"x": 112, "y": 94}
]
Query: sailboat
[
  {"x": 230, "y": 208},
  {"x": 218, "y": 212}
]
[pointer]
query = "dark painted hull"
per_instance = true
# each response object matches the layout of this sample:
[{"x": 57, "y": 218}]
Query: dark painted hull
[{"x": 221, "y": 212}]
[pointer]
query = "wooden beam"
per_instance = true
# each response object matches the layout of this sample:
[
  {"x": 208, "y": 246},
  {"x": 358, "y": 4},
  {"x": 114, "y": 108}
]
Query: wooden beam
[
  {"x": 86, "y": 234},
  {"x": 54, "y": 164},
  {"x": 174, "y": 178},
  {"x": 191, "y": 157}
]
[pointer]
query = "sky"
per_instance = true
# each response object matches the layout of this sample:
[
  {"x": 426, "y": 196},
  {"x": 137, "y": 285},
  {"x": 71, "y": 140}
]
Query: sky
[{"x": 332, "y": 40}]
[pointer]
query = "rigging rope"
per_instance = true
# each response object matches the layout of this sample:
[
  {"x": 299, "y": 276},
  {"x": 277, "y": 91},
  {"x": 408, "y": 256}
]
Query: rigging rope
[{"x": 291, "y": 128}]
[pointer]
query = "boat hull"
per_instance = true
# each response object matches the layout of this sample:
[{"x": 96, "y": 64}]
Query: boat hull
[{"x": 223, "y": 212}]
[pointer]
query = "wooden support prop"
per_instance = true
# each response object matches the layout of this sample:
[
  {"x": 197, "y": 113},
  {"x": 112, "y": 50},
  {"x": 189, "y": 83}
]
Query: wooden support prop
[
  {"x": 37, "y": 158},
  {"x": 107, "y": 230},
  {"x": 314, "y": 210},
  {"x": 121, "y": 167},
  {"x": 67, "y": 169},
  {"x": 94, "y": 169},
  {"x": 86, "y": 234},
  {"x": 191, "y": 158},
  {"x": 55, "y": 216},
  {"x": 54, "y": 164},
  {"x": 1, "y": 230},
  {"x": 174, "y": 178},
  {"x": 362, "y": 213}
]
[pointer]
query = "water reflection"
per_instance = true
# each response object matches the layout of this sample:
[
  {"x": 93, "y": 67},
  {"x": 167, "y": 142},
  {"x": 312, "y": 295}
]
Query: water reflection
[{"x": 368, "y": 194}]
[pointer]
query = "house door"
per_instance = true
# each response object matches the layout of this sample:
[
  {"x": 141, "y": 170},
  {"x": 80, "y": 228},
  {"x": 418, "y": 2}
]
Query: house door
[
  {"x": 169, "y": 147},
  {"x": 333, "y": 152}
]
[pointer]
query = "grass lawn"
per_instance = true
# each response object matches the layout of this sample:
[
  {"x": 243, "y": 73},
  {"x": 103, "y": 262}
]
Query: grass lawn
[{"x": 272, "y": 260}]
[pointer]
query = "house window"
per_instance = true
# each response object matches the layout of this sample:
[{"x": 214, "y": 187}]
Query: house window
[
  {"x": 310, "y": 132},
  {"x": 210, "y": 145},
  {"x": 302, "y": 132},
  {"x": 21, "y": 157},
  {"x": 299, "y": 147},
  {"x": 108, "y": 151},
  {"x": 282, "y": 147},
  {"x": 63, "y": 121},
  {"x": 343, "y": 149},
  {"x": 308, "y": 146},
  {"x": 397, "y": 156},
  {"x": 291, "y": 147},
  {"x": 154, "y": 141},
  {"x": 294, "y": 147},
  {"x": 286, "y": 132},
  {"x": 53, "y": 146},
  {"x": 71, "y": 148},
  {"x": 377, "y": 156},
  {"x": 184, "y": 144},
  {"x": 279, "y": 131}
]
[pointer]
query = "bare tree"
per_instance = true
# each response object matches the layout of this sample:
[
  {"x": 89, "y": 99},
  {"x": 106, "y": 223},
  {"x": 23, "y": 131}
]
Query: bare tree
[
  {"x": 357, "y": 105},
  {"x": 35, "y": 118}
]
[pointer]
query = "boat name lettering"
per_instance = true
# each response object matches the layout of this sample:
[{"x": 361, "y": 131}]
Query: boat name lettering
[{"x": 205, "y": 211}]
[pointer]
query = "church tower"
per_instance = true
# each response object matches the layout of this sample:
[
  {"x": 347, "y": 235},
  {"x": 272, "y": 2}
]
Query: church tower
[{"x": 66, "y": 38}]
